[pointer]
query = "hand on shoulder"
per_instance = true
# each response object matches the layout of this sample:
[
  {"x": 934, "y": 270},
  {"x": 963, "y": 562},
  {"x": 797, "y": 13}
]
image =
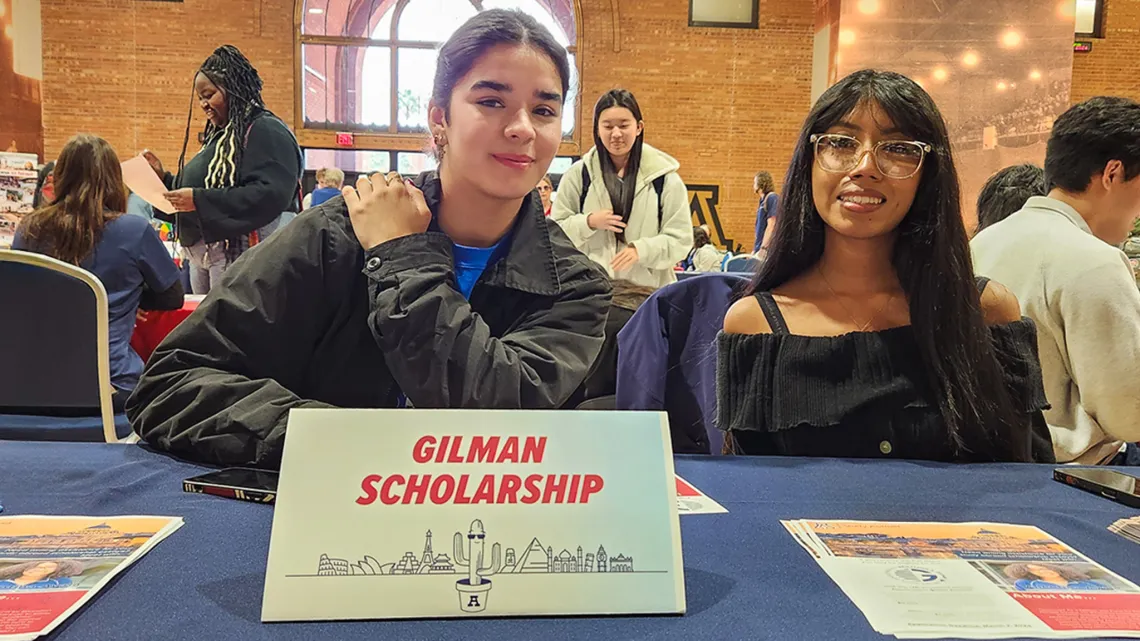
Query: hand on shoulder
[{"x": 999, "y": 305}]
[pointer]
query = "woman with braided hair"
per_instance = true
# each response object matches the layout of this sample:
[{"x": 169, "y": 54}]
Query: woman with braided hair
[{"x": 236, "y": 190}]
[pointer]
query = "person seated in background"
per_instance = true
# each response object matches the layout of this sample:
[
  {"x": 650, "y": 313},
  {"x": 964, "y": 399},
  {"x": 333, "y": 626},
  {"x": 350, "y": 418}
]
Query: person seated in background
[
  {"x": 139, "y": 207},
  {"x": 866, "y": 334},
  {"x": 45, "y": 193},
  {"x": 449, "y": 291},
  {"x": 546, "y": 192},
  {"x": 1006, "y": 192},
  {"x": 1059, "y": 255},
  {"x": 704, "y": 257},
  {"x": 602, "y": 381},
  {"x": 85, "y": 225},
  {"x": 329, "y": 183}
]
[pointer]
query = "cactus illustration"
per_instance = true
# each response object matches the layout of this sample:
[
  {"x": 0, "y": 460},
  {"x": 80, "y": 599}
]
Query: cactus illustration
[{"x": 473, "y": 559}]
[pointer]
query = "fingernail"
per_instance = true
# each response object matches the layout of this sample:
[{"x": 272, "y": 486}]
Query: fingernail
[{"x": 408, "y": 181}]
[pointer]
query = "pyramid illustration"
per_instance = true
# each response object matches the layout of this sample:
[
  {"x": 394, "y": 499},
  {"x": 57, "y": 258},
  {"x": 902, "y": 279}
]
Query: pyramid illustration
[{"x": 533, "y": 560}]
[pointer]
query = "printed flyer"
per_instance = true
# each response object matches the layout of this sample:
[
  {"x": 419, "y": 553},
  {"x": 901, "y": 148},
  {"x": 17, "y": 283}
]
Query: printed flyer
[
  {"x": 51, "y": 565},
  {"x": 970, "y": 580}
]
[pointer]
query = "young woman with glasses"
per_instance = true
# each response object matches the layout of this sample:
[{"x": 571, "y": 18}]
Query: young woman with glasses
[{"x": 865, "y": 333}]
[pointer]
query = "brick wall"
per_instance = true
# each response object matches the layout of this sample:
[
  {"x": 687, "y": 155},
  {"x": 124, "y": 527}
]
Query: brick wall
[
  {"x": 1110, "y": 68},
  {"x": 123, "y": 69},
  {"x": 724, "y": 102}
]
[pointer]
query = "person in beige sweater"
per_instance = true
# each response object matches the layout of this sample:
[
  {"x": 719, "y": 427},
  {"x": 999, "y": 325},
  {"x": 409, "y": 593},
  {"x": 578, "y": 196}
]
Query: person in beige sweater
[
  {"x": 623, "y": 204},
  {"x": 1059, "y": 255}
]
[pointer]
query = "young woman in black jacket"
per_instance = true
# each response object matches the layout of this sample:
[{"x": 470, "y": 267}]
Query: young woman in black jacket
[
  {"x": 243, "y": 183},
  {"x": 455, "y": 291}
]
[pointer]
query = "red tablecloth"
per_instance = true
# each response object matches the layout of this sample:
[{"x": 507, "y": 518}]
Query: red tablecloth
[{"x": 149, "y": 333}]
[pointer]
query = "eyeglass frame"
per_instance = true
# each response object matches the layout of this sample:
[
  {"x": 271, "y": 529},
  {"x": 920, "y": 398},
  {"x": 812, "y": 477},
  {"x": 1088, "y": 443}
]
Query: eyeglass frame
[{"x": 924, "y": 147}]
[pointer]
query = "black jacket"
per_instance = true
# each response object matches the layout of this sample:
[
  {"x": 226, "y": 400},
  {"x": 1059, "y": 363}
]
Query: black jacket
[
  {"x": 268, "y": 183},
  {"x": 309, "y": 319}
]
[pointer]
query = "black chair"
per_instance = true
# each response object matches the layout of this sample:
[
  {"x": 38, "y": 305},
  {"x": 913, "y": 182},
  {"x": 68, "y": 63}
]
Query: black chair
[{"x": 55, "y": 382}]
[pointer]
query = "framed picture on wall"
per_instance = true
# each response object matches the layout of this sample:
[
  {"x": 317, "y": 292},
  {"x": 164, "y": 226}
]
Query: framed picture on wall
[{"x": 732, "y": 14}]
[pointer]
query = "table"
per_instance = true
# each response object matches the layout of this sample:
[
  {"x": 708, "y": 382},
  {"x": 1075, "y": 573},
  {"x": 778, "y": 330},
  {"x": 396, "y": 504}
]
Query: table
[
  {"x": 149, "y": 333},
  {"x": 745, "y": 577}
]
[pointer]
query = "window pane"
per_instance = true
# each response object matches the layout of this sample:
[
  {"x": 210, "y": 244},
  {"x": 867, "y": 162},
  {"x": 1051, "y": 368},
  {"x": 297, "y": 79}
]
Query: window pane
[
  {"x": 416, "y": 69},
  {"x": 570, "y": 108},
  {"x": 410, "y": 162},
  {"x": 348, "y": 160},
  {"x": 433, "y": 20},
  {"x": 315, "y": 17},
  {"x": 560, "y": 165},
  {"x": 383, "y": 30},
  {"x": 1086, "y": 15},
  {"x": 334, "y": 92}
]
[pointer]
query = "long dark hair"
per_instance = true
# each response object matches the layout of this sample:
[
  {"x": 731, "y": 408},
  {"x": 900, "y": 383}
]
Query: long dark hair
[
  {"x": 236, "y": 77},
  {"x": 483, "y": 31},
  {"x": 931, "y": 258},
  {"x": 89, "y": 193},
  {"x": 621, "y": 191}
]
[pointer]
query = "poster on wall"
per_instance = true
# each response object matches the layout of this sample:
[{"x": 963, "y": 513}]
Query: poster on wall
[
  {"x": 17, "y": 182},
  {"x": 21, "y": 77}
]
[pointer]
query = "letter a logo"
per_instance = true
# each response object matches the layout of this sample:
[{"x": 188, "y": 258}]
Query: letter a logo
[{"x": 473, "y": 602}]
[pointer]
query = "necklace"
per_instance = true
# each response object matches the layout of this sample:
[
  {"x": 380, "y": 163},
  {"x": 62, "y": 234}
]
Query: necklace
[{"x": 862, "y": 326}]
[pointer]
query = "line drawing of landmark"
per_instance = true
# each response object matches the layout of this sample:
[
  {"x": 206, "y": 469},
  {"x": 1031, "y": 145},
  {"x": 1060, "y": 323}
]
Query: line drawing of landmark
[{"x": 470, "y": 558}]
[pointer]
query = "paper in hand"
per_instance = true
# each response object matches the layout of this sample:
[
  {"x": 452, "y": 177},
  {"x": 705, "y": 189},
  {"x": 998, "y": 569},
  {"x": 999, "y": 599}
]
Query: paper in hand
[{"x": 140, "y": 177}]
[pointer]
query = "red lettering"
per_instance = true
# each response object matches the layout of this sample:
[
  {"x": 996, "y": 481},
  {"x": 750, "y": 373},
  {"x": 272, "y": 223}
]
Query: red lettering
[
  {"x": 442, "y": 488},
  {"x": 555, "y": 490},
  {"x": 368, "y": 486},
  {"x": 386, "y": 496},
  {"x": 533, "y": 493},
  {"x": 486, "y": 491},
  {"x": 482, "y": 451},
  {"x": 461, "y": 497},
  {"x": 423, "y": 449},
  {"x": 454, "y": 456},
  {"x": 442, "y": 451},
  {"x": 510, "y": 451},
  {"x": 592, "y": 485},
  {"x": 417, "y": 489},
  {"x": 534, "y": 449},
  {"x": 509, "y": 489},
  {"x": 573, "y": 494}
]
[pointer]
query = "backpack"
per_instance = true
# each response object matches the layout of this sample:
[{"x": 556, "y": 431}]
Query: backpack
[{"x": 658, "y": 186}]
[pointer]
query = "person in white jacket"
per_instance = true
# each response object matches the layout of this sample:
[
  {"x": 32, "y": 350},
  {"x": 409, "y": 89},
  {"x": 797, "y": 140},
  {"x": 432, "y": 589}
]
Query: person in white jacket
[{"x": 623, "y": 204}]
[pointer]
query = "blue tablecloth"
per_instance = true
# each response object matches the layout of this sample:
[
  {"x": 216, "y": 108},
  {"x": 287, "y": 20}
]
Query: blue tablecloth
[{"x": 745, "y": 577}]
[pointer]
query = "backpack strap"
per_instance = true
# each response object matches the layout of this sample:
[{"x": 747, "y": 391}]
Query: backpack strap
[
  {"x": 659, "y": 187},
  {"x": 981, "y": 282},
  {"x": 585, "y": 188}
]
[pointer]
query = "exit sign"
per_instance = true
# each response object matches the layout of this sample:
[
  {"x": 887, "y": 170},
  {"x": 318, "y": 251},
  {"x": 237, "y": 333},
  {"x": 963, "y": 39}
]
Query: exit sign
[
  {"x": 1082, "y": 46},
  {"x": 344, "y": 140}
]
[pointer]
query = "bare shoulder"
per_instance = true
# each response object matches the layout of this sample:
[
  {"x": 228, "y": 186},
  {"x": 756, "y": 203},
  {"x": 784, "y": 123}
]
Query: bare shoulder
[
  {"x": 999, "y": 305},
  {"x": 746, "y": 317}
]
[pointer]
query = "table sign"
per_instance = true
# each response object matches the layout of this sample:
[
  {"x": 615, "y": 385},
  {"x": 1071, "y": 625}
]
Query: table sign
[{"x": 385, "y": 514}]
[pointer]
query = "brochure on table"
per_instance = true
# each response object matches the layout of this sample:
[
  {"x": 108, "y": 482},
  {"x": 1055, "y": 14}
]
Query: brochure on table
[
  {"x": 449, "y": 513},
  {"x": 970, "y": 580},
  {"x": 51, "y": 565}
]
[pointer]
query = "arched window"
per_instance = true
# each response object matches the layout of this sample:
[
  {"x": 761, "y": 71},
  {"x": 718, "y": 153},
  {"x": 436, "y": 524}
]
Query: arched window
[{"x": 366, "y": 66}]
